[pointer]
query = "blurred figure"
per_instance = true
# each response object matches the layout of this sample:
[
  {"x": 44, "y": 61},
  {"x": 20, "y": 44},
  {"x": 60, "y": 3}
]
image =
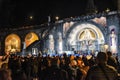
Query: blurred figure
[
  {"x": 4, "y": 61},
  {"x": 74, "y": 72},
  {"x": 111, "y": 60},
  {"x": 4, "y": 66},
  {"x": 5, "y": 74},
  {"x": 19, "y": 75},
  {"x": 82, "y": 67},
  {"x": 55, "y": 72},
  {"x": 102, "y": 71}
]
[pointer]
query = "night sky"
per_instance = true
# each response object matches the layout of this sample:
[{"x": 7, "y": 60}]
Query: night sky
[{"x": 16, "y": 13}]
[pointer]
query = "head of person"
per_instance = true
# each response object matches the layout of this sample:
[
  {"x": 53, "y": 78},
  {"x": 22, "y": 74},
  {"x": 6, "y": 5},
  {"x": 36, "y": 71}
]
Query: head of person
[
  {"x": 109, "y": 53},
  {"x": 55, "y": 61},
  {"x": 19, "y": 75},
  {"x": 7, "y": 52},
  {"x": 73, "y": 63},
  {"x": 5, "y": 74},
  {"x": 102, "y": 57},
  {"x": 80, "y": 62},
  {"x": 46, "y": 62}
]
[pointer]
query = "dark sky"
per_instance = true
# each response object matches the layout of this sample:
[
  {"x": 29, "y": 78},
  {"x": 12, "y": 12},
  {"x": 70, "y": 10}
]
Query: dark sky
[{"x": 15, "y": 13}]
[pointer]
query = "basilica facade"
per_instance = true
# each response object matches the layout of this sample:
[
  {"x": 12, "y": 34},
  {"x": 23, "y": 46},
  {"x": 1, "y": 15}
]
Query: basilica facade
[
  {"x": 89, "y": 33},
  {"x": 98, "y": 32}
]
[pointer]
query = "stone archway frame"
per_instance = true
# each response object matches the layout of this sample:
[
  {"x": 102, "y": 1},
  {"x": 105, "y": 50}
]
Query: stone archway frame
[
  {"x": 12, "y": 41},
  {"x": 77, "y": 27},
  {"x": 30, "y": 38},
  {"x": 80, "y": 32}
]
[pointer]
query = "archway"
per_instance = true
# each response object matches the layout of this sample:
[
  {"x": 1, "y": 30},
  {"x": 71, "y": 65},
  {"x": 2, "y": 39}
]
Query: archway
[
  {"x": 85, "y": 36},
  {"x": 30, "y": 38},
  {"x": 12, "y": 43}
]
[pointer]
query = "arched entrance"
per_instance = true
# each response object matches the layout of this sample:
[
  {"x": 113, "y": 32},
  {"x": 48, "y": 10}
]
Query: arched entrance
[
  {"x": 85, "y": 36},
  {"x": 30, "y": 38},
  {"x": 12, "y": 43}
]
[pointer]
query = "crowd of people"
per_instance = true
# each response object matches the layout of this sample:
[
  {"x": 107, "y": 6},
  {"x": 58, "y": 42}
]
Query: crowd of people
[{"x": 101, "y": 67}]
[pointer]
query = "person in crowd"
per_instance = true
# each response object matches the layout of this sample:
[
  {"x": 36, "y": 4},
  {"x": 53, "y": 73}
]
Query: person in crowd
[
  {"x": 74, "y": 72},
  {"x": 27, "y": 66},
  {"x": 102, "y": 71},
  {"x": 85, "y": 60},
  {"x": 44, "y": 67},
  {"x": 111, "y": 60},
  {"x": 82, "y": 67},
  {"x": 118, "y": 64},
  {"x": 19, "y": 75},
  {"x": 34, "y": 68},
  {"x": 4, "y": 66},
  {"x": 4, "y": 61},
  {"x": 55, "y": 72},
  {"x": 65, "y": 62},
  {"x": 62, "y": 63},
  {"x": 5, "y": 74}
]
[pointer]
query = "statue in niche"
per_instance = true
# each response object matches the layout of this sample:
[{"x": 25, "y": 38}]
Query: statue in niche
[
  {"x": 87, "y": 38},
  {"x": 51, "y": 43},
  {"x": 113, "y": 41}
]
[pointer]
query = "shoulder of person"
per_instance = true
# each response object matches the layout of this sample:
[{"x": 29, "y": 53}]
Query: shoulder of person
[
  {"x": 94, "y": 67},
  {"x": 62, "y": 70},
  {"x": 111, "y": 68}
]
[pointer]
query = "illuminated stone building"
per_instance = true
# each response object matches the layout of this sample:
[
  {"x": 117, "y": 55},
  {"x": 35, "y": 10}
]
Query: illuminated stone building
[{"x": 92, "y": 32}]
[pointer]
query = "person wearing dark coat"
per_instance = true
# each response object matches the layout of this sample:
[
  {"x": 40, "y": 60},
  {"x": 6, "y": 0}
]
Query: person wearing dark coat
[
  {"x": 111, "y": 60},
  {"x": 55, "y": 72},
  {"x": 74, "y": 72},
  {"x": 102, "y": 71}
]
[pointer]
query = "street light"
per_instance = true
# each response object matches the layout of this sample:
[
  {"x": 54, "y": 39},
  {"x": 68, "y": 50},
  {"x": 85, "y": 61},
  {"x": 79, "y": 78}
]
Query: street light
[
  {"x": 31, "y": 17},
  {"x": 107, "y": 10},
  {"x": 57, "y": 18}
]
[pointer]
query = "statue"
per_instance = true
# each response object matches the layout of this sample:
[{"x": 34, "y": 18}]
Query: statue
[{"x": 113, "y": 41}]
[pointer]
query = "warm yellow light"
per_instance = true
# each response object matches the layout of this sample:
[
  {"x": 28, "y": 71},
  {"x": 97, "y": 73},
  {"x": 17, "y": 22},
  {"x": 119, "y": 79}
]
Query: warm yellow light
[
  {"x": 12, "y": 43},
  {"x": 56, "y": 17},
  {"x": 107, "y": 10},
  {"x": 31, "y": 17},
  {"x": 30, "y": 38}
]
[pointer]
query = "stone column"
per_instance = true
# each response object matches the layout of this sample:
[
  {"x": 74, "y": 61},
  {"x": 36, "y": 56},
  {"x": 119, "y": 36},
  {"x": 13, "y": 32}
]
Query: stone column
[{"x": 118, "y": 6}]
